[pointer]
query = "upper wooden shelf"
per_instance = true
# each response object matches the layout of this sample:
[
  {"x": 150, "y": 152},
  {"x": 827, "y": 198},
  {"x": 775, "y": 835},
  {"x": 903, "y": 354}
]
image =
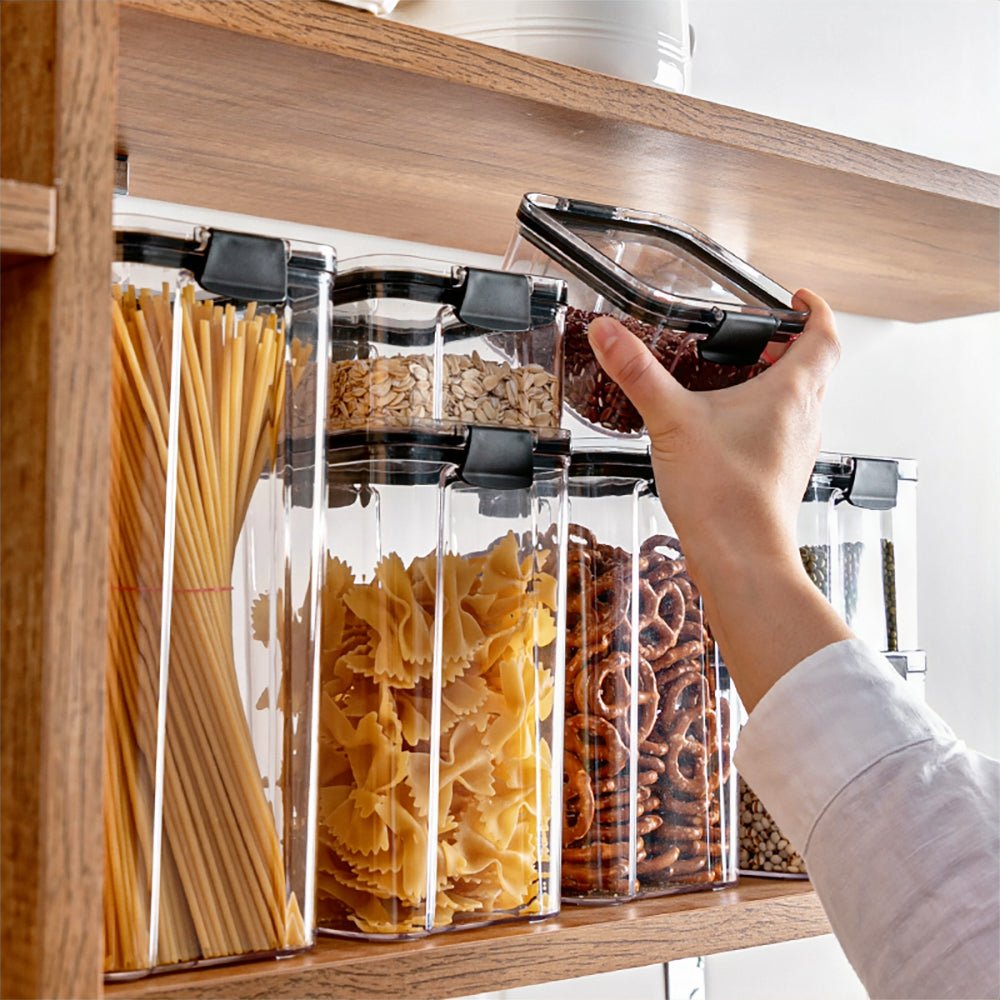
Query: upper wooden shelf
[
  {"x": 318, "y": 113},
  {"x": 579, "y": 942},
  {"x": 27, "y": 220}
]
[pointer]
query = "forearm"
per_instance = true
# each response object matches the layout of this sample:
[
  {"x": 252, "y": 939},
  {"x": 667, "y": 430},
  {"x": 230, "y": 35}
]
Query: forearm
[
  {"x": 896, "y": 819},
  {"x": 766, "y": 615}
]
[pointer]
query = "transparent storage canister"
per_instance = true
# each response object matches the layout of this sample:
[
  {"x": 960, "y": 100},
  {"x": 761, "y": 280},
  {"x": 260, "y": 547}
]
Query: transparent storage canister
[
  {"x": 418, "y": 343},
  {"x": 857, "y": 540},
  {"x": 441, "y": 706},
  {"x": 707, "y": 315},
  {"x": 649, "y": 794},
  {"x": 219, "y": 353}
]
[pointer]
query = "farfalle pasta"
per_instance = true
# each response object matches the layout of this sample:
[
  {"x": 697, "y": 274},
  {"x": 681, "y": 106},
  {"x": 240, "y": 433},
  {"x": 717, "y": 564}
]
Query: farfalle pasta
[{"x": 459, "y": 783}]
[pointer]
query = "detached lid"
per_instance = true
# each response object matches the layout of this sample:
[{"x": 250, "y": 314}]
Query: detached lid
[
  {"x": 664, "y": 272},
  {"x": 863, "y": 481},
  {"x": 241, "y": 266},
  {"x": 481, "y": 299}
]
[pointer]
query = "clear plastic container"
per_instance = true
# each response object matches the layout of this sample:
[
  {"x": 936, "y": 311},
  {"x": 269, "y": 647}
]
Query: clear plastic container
[
  {"x": 420, "y": 344},
  {"x": 857, "y": 540},
  {"x": 649, "y": 794},
  {"x": 707, "y": 315},
  {"x": 219, "y": 354},
  {"x": 441, "y": 714}
]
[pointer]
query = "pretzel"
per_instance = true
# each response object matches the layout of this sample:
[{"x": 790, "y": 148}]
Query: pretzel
[
  {"x": 648, "y": 602},
  {"x": 587, "y": 877},
  {"x": 674, "y": 832},
  {"x": 618, "y": 797},
  {"x": 602, "y": 750},
  {"x": 654, "y": 542},
  {"x": 578, "y": 800},
  {"x": 589, "y": 686},
  {"x": 686, "y": 652},
  {"x": 591, "y": 645},
  {"x": 602, "y": 851},
  {"x": 659, "y": 862},
  {"x": 648, "y": 698}
]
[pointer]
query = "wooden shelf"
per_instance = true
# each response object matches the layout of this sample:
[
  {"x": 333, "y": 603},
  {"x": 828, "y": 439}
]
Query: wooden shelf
[
  {"x": 581, "y": 941},
  {"x": 27, "y": 220},
  {"x": 317, "y": 113}
]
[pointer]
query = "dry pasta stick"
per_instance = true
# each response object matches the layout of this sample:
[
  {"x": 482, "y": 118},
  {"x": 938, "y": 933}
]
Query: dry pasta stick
[{"x": 222, "y": 884}]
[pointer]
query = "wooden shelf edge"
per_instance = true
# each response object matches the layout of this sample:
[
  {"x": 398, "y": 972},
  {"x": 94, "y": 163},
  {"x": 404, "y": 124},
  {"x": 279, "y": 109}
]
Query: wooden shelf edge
[
  {"x": 580, "y": 941},
  {"x": 27, "y": 219},
  {"x": 355, "y": 34}
]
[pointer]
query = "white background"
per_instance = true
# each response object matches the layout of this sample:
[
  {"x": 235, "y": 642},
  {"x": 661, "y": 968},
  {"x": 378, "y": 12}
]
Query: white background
[{"x": 920, "y": 75}]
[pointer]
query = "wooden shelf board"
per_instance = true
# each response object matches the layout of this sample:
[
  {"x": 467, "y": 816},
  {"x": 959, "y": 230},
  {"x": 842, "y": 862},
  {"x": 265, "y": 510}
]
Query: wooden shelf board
[
  {"x": 316, "y": 113},
  {"x": 27, "y": 219},
  {"x": 579, "y": 942}
]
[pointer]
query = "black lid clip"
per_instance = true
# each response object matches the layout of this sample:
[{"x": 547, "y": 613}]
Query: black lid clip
[
  {"x": 739, "y": 339},
  {"x": 874, "y": 484},
  {"x": 245, "y": 267},
  {"x": 495, "y": 300},
  {"x": 499, "y": 458}
]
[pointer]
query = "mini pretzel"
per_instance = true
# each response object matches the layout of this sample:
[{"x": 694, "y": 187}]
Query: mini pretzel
[
  {"x": 654, "y": 765},
  {"x": 688, "y": 866},
  {"x": 589, "y": 688},
  {"x": 597, "y": 743},
  {"x": 597, "y": 852},
  {"x": 654, "y": 542},
  {"x": 648, "y": 700},
  {"x": 578, "y": 800},
  {"x": 675, "y": 805},
  {"x": 591, "y": 645},
  {"x": 610, "y": 594},
  {"x": 673, "y": 832},
  {"x": 648, "y": 602},
  {"x": 685, "y": 651},
  {"x": 658, "y": 862},
  {"x": 588, "y": 878}
]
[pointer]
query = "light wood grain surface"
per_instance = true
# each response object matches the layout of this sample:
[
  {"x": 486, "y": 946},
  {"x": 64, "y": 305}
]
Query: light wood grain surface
[
  {"x": 27, "y": 218},
  {"x": 354, "y": 122},
  {"x": 58, "y": 129},
  {"x": 581, "y": 941}
]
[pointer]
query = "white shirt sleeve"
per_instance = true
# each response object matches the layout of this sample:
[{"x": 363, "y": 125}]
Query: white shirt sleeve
[{"x": 898, "y": 822}]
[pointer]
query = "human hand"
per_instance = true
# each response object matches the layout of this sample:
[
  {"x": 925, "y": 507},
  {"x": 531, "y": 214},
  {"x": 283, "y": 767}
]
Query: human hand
[{"x": 731, "y": 466}]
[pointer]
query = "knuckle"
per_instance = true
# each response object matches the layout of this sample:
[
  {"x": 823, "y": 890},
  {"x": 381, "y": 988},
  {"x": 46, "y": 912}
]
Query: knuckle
[{"x": 634, "y": 368}]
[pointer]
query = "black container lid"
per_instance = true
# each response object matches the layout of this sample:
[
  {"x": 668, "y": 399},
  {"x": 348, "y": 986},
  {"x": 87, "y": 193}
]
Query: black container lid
[
  {"x": 616, "y": 472},
  {"x": 497, "y": 458},
  {"x": 241, "y": 266},
  {"x": 863, "y": 481},
  {"x": 482, "y": 299},
  {"x": 750, "y": 310}
]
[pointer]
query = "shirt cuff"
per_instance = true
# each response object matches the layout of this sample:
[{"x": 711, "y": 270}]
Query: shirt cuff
[{"x": 830, "y": 718}]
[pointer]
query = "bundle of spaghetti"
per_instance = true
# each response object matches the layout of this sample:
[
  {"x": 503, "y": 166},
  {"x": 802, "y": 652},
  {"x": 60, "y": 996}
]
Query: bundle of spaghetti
[{"x": 221, "y": 871}]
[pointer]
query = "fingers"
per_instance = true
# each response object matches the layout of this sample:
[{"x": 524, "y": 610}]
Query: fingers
[
  {"x": 817, "y": 349},
  {"x": 652, "y": 390}
]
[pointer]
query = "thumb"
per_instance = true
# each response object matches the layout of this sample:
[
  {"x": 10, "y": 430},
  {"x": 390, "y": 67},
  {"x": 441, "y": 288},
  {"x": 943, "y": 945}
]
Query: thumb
[{"x": 653, "y": 391}]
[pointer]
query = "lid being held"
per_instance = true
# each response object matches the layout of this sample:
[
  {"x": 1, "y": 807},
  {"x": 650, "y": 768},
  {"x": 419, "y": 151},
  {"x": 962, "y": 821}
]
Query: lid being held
[{"x": 705, "y": 313}]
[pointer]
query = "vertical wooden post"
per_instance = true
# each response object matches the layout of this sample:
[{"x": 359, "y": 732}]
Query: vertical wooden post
[{"x": 58, "y": 90}]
